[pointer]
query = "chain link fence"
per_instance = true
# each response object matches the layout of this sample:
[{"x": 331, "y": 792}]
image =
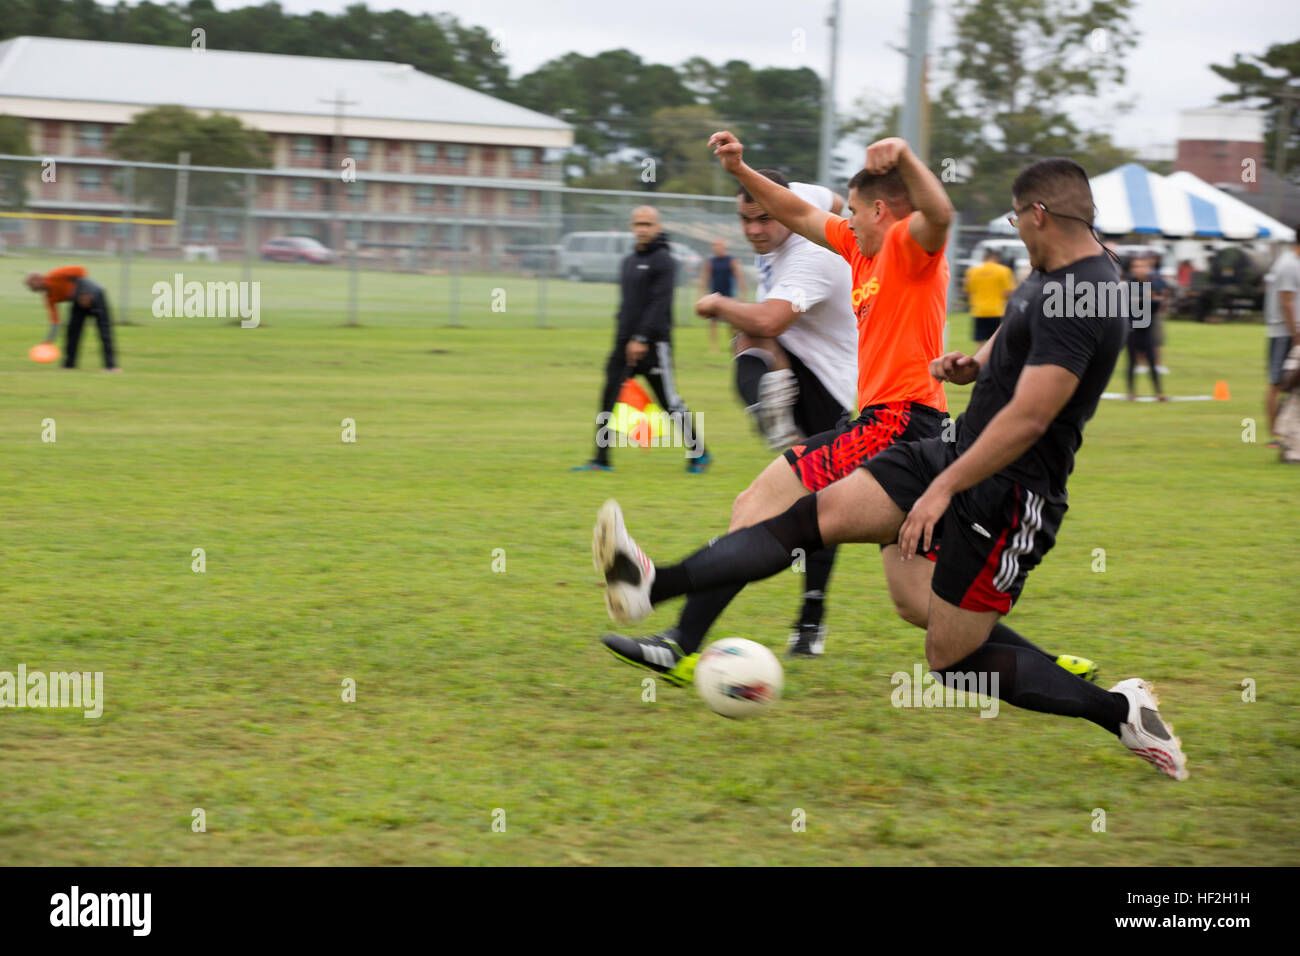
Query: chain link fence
[{"x": 376, "y": 248}]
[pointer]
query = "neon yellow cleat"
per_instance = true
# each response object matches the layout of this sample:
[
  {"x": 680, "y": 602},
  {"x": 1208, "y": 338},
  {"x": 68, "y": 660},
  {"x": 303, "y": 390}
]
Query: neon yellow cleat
[{"x": 1079, "y": 666}]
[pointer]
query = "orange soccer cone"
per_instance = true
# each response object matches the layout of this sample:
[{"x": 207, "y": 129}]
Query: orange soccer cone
[
  {"x": 1221, "y": 391},
  {"x": 45, "y": 352}
]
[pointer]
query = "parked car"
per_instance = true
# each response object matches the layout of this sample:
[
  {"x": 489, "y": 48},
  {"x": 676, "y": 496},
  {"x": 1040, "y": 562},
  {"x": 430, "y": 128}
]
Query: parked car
[
  {"x": 296, "y": 249},
  {"x": 597, "y": 256}
]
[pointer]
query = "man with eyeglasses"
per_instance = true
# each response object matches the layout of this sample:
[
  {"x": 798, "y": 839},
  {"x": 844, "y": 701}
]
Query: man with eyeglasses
[{"x": 995, "y": 497}]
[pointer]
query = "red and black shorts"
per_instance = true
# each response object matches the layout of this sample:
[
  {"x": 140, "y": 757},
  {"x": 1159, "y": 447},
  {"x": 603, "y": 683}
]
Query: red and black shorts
[
  {"x": 992, "y": 534},
  {"x": 831, "y": 455}
]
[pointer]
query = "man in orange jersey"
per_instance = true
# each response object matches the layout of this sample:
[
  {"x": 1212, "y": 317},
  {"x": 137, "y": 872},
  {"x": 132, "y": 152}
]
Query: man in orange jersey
[
  {"x": 70, "y": 284},
  {"x": 894, "y": 241}
]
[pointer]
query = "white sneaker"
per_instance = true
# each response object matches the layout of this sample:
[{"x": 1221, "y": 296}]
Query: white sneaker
[
  {"x": 1145, "y": 731},
  {"x": 777, "y": 393},
  {"x": 628, "y": 572}
]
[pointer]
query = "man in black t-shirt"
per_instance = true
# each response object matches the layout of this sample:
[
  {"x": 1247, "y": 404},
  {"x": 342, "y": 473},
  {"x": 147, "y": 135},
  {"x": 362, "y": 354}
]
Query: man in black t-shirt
[
  {"x": 1143, "y": 336},
  {"x": 994, "y": 498}
]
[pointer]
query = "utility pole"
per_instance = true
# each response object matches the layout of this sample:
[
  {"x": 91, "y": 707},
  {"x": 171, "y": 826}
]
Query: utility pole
[
  {"x": 336, "y": 155},
  {"x": 182, "y": 195},
  {"x": 918, "y": 33},
  {"x": 824, "y": 172}
]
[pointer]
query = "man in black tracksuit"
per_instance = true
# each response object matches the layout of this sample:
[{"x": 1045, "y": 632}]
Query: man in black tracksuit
[{"x": 643, "y": 339}]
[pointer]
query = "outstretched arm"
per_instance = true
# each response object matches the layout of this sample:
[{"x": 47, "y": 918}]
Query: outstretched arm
[
  {"x": 932, "y": 209},
  {"x": 765, "y": 320},
  {"x": 960, "y": 368},
  {"x": 779, "y": 203},
  {"x": 1041, "y": 393}
]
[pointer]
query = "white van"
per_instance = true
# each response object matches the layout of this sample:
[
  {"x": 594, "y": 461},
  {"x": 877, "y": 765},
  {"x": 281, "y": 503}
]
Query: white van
[{"x": 597, "y": 257}]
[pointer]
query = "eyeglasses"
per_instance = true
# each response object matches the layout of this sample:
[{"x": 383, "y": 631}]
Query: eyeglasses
[{"x": 1014, "y": 219}]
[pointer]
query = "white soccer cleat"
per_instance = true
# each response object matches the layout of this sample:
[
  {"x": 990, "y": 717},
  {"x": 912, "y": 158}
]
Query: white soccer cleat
[
  {"x": 777, "y": 393},
  {"x": 1145, "y": 731},
  {"x": 628, "y": 572}
]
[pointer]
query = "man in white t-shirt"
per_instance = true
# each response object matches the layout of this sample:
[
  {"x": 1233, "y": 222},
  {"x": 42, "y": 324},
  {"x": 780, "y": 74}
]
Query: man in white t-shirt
[
  {"x": 796, "y": 359},
  {"x": 796, "y": 355},
  {"x": 1281, "y": 322}
]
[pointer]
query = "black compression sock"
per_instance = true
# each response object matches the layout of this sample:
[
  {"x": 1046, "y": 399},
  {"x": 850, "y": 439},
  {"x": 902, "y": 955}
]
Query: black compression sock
[
  {"x": 1001, "y": 634},
  {"x": 1026, "y": 678},
  {"x": 701, "y": 610},
  {"x": 751, "y": 365},
  {"x": 745, "y": 555},
  {"x": 816, "y": 579}
]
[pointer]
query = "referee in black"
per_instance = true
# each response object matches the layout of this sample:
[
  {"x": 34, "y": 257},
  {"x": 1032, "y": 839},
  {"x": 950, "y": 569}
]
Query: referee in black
[{"x": 643, "y": 338}]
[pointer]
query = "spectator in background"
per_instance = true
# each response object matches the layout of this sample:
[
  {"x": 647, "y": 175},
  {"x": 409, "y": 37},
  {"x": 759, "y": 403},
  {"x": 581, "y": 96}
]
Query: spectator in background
[
  {"x": 70, "y": 284},
  {"x": 1281, "y": 305},
  {"x": 1287, "y": 425},
  {"x": 1184, "y": 294},
  {"x": 987, "y": 286},
  {"x": 1142, "y": 328},
  {"x": 721, "y": 274}
]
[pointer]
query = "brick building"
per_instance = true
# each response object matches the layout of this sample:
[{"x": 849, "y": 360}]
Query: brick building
[{"x": 476, "y": 161}]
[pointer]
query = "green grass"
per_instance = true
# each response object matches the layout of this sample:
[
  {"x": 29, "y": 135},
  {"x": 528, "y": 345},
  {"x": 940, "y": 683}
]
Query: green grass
[{"x": 479, "y": 690}]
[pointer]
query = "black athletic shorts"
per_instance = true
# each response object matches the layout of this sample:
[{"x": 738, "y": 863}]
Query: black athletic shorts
[
  {"x": 1278, "y": 347},
  {"x": 992, "y": 535},
  {"x": 830, "y": 455},
  {"x": 816, "y": 410},
  {"x": 985, "y": 326}
]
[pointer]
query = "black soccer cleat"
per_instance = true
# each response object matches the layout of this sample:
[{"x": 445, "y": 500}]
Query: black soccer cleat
[
  {"x": 806, "y": 640},
  {"x": 660, "y": 653}
]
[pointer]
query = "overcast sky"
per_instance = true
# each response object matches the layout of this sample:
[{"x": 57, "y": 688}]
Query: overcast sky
[{"x": 1167, "y": 72}]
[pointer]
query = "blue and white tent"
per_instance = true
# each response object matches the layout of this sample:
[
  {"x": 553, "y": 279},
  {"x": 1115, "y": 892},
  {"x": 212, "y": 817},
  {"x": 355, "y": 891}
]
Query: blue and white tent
[
  {"x": 1237, "y": 219},
  {"x": 1132, "y": 199}
]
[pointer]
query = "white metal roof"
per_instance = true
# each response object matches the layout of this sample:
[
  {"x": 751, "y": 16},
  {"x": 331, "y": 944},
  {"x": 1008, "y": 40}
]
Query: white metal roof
[{"x": 231, "y": 81}]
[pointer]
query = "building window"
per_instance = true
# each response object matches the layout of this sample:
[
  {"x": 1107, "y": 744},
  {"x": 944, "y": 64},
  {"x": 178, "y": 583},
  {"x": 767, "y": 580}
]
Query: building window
[
  {"x": 122, "y": 230},
  {"x": 356, "y": 230},
  {"x": 357, "y": 192},
  {"x": 304, "y": 190},
  {"x": 91, "y": 135},
  {"x": 359, "y": 149},
  {"x": 229, "y": 230},
  {"x": 422, "y": 235},
  {"x": 90, "y": 179},
  {"x": 457, "y": 155},
  {"x": 522, "y": 158},
  {"x": 519, "y": 199},
  {"x": 195, "y": 231},
  {"x": 453, "y": 196},
  {"x": 304, "y": 147},
  {"x": 424, "y": 195},
  {"x": 427, "y": 153},
  {"x": 87, "y": 228}
]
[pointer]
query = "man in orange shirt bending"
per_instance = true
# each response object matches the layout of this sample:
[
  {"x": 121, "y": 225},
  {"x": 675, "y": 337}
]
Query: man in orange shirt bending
[{"x": 70, "y": 283}]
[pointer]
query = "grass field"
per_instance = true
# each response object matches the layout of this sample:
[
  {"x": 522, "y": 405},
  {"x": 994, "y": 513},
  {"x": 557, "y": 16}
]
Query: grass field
[{"x": 478, "y": 691}]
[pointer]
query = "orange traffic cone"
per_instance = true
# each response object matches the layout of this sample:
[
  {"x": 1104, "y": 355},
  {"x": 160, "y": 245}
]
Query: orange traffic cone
[{"x": 1221, "y": 391}]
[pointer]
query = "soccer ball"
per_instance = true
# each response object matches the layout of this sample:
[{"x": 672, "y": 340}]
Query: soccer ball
[{"x": 738, "y": 678}]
